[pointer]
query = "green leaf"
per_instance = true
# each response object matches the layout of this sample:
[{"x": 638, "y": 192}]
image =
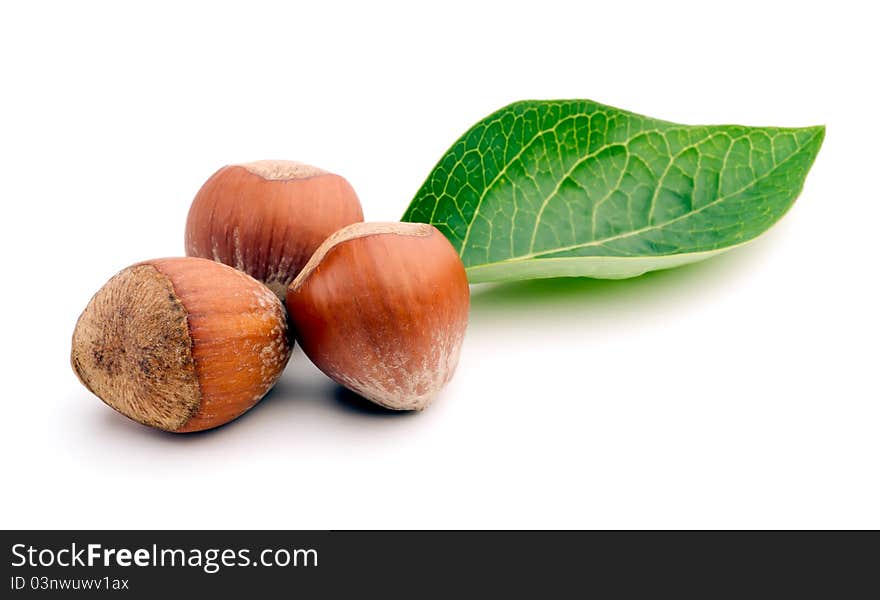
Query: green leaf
[{"x": 576, "y": 188}]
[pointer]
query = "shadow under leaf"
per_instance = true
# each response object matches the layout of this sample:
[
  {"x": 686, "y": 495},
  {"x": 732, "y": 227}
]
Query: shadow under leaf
[{"x": 552, "y": 295}]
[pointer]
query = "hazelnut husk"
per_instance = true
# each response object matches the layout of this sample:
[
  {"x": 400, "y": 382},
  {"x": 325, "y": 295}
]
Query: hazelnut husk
[
  {"x": 382, "y": 309},
  {"x": 181, "y": 344},
  {"x": 267, "y": 218}
]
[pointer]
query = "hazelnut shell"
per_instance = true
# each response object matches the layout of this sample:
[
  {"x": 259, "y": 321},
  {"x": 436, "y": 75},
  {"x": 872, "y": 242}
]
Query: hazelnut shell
[
  {"x": 267, "y": 218},
  {"x": 382, "y": 309},
  {"x": 181, "y": 344}
]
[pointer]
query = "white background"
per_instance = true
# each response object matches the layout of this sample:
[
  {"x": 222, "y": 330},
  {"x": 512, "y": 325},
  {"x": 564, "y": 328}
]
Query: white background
[{"x": 741, "y": 392}]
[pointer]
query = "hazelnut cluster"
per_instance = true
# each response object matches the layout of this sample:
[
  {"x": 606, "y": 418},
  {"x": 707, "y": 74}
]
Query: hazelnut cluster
[{"x": 190, "y": 343}]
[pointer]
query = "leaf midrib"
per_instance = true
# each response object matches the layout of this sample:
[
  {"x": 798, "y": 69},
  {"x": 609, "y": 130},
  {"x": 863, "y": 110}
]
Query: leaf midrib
[
  {"x": 625, "y": 144},
  {"x": 687, "y": 215}
]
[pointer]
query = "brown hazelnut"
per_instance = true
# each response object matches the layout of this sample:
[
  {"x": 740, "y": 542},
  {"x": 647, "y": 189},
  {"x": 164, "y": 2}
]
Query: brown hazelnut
[
  {"x": 267, "y": 218},
  {"x": 382, "y": 309},
  {"x": 181, "y": 344}
]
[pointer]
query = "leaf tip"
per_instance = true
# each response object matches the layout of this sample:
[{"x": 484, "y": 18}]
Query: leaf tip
[{"x": 818, "y": 133}]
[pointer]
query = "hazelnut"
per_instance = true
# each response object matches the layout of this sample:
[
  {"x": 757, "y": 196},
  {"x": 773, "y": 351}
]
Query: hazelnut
[
  {"x": 181, "y": 344},
  {"x": 267, "y": 218},
  {"x": 382, "y": 309}
]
